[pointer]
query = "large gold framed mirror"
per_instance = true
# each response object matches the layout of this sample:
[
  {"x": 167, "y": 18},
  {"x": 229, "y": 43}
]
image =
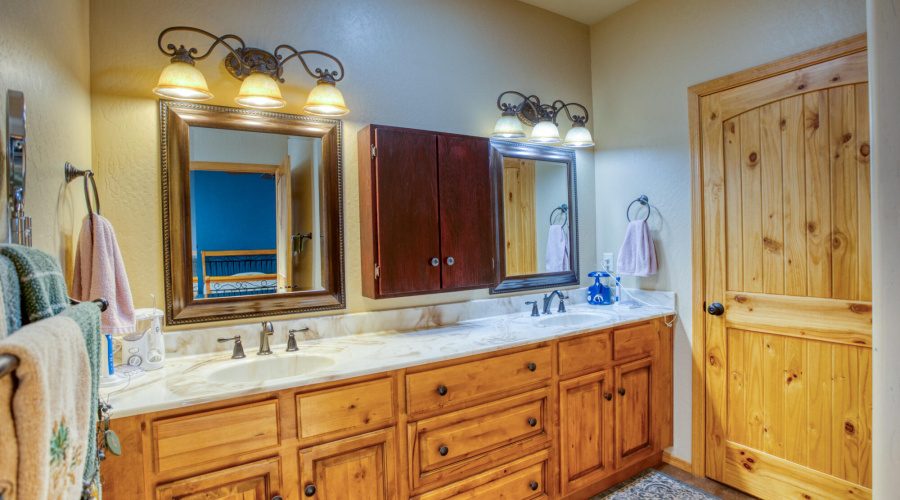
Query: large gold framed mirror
[
  {"x": 252, "y": 213},
  {"x": 536, "y": 214}
]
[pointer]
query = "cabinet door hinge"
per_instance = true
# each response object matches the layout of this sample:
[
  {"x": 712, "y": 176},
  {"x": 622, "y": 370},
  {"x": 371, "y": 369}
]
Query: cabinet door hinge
[
  {"x": 377, "y": 271},
  {"x": 374, "y": 151}
]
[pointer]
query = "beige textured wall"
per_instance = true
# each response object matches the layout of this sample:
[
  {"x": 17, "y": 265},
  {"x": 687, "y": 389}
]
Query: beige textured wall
[
  {"x": 44, "y": 52},
  {"x": 435, "y": 65},
  {"x": 643, "y": 59}
]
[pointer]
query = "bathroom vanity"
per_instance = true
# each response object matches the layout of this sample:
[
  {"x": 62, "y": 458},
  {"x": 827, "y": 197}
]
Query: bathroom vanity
[{"x": 560, "y": 406}]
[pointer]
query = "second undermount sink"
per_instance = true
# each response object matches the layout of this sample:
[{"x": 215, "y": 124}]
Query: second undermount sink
[
  {"x": 574, "y": 319},
  {"x": 261, "y": 369}
]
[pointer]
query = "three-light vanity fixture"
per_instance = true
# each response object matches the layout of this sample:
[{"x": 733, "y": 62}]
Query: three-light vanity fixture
[
  {"x": 543, "y": 118},
  {"x": 259, "y": 70}
]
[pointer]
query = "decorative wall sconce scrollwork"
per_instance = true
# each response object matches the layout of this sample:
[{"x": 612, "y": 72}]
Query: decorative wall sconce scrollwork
[
  {"x": 543, "y": 117},
  {"x": 259, "y": 70}
]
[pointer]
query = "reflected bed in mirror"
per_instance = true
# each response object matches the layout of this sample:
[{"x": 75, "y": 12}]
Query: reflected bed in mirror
[
  {"x": 253, "y": 213},
  {"x": 537, "y": 231}
]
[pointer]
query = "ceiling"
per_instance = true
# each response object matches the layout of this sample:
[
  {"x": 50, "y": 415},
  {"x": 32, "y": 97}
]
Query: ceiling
[{"x": 584, "y": 11}]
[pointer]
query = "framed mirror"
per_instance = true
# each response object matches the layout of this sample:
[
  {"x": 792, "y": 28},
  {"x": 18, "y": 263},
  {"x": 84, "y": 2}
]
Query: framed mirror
[
  {"x": 252, "y": 213},
  {"x": 535, "y": 207}
]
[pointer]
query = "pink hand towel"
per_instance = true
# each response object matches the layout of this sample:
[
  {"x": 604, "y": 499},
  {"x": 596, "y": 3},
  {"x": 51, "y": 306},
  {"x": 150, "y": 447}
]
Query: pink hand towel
[
  {"x": 638, "y": 255},
  {"x": 100, "y": 273}
]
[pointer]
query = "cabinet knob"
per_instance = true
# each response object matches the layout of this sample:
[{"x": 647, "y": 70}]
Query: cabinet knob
[
  {"x": 532, "y": 422},
  {"x": 450, "y": 261},
  {"x": 442, "y": 390},
  {"x": 435, "y": 262},
  {"x": 622, "y": 391},
  {"x": 534, "y": 485},
  {"x": 608, "y": 396},
  {"x": 310, "y": 490},
  {"x": 532, "y": 366},
  {"x": 443, "y": 450}
]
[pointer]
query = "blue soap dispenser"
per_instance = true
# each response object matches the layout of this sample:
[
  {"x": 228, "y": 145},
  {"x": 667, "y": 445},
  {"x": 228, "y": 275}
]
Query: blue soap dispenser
[{"x": 599, "y": 294}]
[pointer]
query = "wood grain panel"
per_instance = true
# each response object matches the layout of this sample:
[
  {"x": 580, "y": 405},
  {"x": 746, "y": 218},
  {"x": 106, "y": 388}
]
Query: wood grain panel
[
  {"x": 770, "y": 477},
  {"x": 584, "y": 353},
  {"x": 362, "y": 467},
  {"x": 586, "y": 430},
  {"x": 772, "y": 198},
  {"x": 754, "y": 385},
  {"x": 512, "y": 480},
  {"x": 751, "y": 202},
  {"x": 519, "y": 216},
  {"x": 734, "y": 234},
  {"x": 796, "y": 410},
  {"x": 362, "y": 407},
  {"x": 845, "y": 424},
  {"x": 841, "y": 321},
  {"x": 253, "y": 481},
  {"x": 794, "y": 192},
  {"x": 773, "y": 395},
  {"x": 635, "y": 341},
  {"x": 736, "y": 403},
  {"x": 865, "y": 417},
  {"x": 864, "y": 201},
  {"x": 819, "y": 400},
  {"x": 635, "y": 434},
  {"x": 208, "y": 436},
  {"x": 844, "y": 181},
  {"x": 818, "y": 194}
]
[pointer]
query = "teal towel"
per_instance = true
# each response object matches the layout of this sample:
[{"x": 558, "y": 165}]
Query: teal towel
[
  {"x": 41, "y": 282},
  {"x": 87, "y": 315},
  {"x": 9, "y": 288}
]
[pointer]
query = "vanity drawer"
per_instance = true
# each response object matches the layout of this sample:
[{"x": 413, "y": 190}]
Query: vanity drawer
[
  {"x": 208, "y": 436},
  {"x": 457, "y": 444},
  {"x": 583, "y": 353},
  {"x": 435, "y": 389},
  {"x": 358, "y": 407},
  {"x": 525, "y": 479},
  {"x": 641, "y": 339}
]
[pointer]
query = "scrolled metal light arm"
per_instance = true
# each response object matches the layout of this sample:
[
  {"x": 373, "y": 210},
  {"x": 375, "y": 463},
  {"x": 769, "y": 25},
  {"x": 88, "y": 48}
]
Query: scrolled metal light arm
[{"x": 547, "y": 112}]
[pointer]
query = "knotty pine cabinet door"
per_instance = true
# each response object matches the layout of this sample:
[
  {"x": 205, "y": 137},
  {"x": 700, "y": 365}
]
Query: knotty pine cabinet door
[
  {"x": 254, "y": 481},
  {"x": 634, "y": 423},
  {"x": 358, "y": 468},
  {"x": 586, "y": 420},
  {"x": 425, "y": 212}
]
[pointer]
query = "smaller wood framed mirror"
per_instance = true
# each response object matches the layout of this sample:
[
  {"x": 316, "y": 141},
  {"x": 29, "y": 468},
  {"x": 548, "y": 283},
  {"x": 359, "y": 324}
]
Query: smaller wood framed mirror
[
  {"x": 252, "y": 213},
  {"x": 536, "y": 214}
]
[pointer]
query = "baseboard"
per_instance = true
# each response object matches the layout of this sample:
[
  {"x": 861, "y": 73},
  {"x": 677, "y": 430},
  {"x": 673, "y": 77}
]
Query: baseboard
[{"x": 676, "y": 462}]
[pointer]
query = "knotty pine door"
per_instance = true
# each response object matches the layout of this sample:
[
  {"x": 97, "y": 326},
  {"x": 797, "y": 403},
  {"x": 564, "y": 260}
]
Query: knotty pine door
[{"x": 787, "y": 250}]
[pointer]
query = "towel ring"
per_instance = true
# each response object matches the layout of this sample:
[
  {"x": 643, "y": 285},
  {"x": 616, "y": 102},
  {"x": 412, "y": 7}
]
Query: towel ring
[
  {"x": 643, "y": 200},
  {"x": 73, "y": 173},
  {"x": 565, "y": 211}
]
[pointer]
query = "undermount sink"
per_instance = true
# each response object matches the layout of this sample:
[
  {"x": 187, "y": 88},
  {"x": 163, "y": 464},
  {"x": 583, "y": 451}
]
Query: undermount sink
[
  {"x": 574, "y": 319},
  {"x": 262, "y": 369}
]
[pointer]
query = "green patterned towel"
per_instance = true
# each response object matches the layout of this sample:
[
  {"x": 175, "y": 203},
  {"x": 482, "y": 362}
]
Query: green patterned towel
[
  {"x": 87, "y": 315},
  {"x": 9, "y": 288},
  {"x": 41, "y": 282}
]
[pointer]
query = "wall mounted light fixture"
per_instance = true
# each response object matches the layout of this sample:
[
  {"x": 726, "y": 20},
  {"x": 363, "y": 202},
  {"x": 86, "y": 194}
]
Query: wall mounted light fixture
[
  {"x": 259, "y": 70},
  {"x": 543, "y": 117}
]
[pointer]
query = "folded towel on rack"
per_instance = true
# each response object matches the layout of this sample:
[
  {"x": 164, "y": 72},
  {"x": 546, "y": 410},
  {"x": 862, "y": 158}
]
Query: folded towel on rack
[
  {"x": 50, "y": 410},
  {"x": 100, "y": 272},
  {"x": 42, "y": 286},
  {"x": 637, "y": 257},
  {"x": 11, "y": 303},
  {"x": 87, "y": 316},
  {"x": 556, "y": 260}
]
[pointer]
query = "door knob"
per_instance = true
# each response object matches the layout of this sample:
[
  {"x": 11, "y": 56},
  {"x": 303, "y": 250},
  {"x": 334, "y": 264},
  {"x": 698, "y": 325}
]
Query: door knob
[
  {"x": 622, "y": 391},
  {"x": 310, "y": 490},
  {"x": 608, "y": 396},
  {"x": 450, "y": 261},
  {"x": 435, "y": 262},
  {"x": 716, "y": 309}
]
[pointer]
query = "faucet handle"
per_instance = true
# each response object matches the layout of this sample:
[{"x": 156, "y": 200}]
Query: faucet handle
[
  {"x": 292, "y": 341},
  {"x": 534, "y": 307},
  {"x": 238, "y": 351},
  {"x": 562, "y": 305}
]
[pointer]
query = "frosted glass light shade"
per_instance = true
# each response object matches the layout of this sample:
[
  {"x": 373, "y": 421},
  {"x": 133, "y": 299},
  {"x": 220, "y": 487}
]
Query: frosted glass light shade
[
  {"x": 545, "y": 133},
  {"x": 325, "y": 100},
  {"x": 182, "y": 81},
  {"x": 260, "y": 91},
  {"x": 578, "y": 137},
  {"x": 508, "y": 127}
]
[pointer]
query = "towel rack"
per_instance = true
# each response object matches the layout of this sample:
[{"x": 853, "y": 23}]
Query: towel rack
[
  {"x": 643, "y": 200},
  {"x": 73, "y": 173},
  {"x": 8, "y": 362},
  {"x": 565, "y": 211}
]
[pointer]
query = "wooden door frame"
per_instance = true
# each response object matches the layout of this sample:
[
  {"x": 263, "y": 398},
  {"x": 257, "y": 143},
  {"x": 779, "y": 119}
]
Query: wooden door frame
[{"x": 698, "y": 258}]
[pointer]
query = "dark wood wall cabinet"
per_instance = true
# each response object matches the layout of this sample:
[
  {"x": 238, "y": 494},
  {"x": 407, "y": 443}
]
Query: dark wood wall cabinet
[{"x": 425, "y": 212}]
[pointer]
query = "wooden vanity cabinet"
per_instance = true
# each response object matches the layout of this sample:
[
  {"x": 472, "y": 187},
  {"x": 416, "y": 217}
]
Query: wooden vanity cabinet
[
  {"x": 425, "y": 210},
  {"x": 562, "y": 419}
]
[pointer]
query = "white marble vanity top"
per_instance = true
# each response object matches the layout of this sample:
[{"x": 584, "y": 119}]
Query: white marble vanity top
[{"x": 185, "y": 380}]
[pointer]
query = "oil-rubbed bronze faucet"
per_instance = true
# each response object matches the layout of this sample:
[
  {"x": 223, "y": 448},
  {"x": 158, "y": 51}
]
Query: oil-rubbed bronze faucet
[
  {"x": 238, "y": 352},
  {"x": 264, "y": 338},
  {"x": 548, "y": 299}
]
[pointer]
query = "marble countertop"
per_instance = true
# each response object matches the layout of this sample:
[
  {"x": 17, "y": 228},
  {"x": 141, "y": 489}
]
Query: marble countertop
[{"x": 185, "y": 380}]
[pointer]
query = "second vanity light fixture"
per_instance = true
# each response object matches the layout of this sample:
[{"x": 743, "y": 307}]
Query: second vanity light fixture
[
  {"x": 543, "y": 118},
  {"x": 259, "y": 70}
]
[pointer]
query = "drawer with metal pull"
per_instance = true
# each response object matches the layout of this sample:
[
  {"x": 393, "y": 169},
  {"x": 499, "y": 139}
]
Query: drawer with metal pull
[
  {"x": 458, "y": 444},
  {"x": 434, "y": 389}
]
